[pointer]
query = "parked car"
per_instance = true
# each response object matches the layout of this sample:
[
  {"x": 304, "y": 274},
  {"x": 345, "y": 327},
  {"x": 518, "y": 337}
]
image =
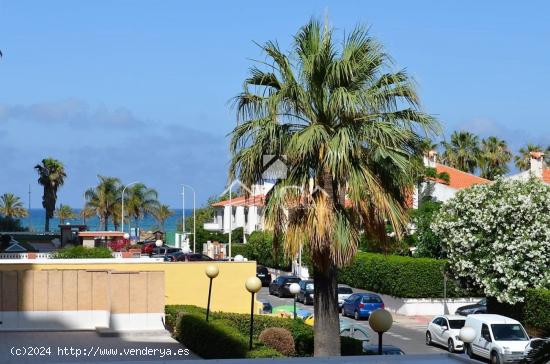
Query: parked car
[
  {"x": 263, "y": 274},
  {"x": 343, "y": 293},
  {"x": 196, "y": 257},
  {"x": 444, "y": 330},
  {"x": 538, "y": 351},
  {"x": 360, "y": 305},
  {"x": 478, "y": 307},
  {"x": 372, "y": 349},
  {"x": 306, "y": 292},
  {"x": 147, "y": 247},
  {"x": 177, "y": 256},
  {"x": 267, "y": 308},
  {"x": 280, "y": 286},
  {"x": 497, "y": 338}
]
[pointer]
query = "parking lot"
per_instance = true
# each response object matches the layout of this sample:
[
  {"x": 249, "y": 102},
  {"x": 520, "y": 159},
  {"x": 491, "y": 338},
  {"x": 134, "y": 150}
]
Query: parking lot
[{"x": 407, "y": 333}]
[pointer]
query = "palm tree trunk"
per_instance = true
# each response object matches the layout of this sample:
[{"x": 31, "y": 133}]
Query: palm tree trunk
[{"x": 327, "y": 322}]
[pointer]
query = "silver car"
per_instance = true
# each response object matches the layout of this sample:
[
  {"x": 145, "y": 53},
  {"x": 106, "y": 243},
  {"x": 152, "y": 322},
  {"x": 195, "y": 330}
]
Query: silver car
[{"x": 343, "y": 293}]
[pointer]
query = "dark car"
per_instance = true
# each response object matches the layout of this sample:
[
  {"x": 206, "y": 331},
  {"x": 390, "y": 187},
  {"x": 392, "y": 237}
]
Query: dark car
[
  {"x": 306, "y": 292},
  {"x": 372, "y": 349},
  {"x": 267, "y": 308},
  {"x": 196, "y": 257},
  {"x": 360, "y": 305},
  {"x": 263, "y": 274},
  {"x": 280, "y": 286},
  {"x": 164, "y": 250},
  {"x": 479, "y": 307},
  {"x": 178, "y": 256}
]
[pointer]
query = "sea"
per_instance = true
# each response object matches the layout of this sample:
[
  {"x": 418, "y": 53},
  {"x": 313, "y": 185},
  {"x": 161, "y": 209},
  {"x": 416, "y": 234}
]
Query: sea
[{"x": 36, "y": 219}]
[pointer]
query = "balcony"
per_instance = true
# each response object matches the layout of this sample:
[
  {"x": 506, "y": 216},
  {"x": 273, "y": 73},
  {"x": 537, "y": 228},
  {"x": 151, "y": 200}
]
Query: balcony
[{"x": 212, "y": 226}]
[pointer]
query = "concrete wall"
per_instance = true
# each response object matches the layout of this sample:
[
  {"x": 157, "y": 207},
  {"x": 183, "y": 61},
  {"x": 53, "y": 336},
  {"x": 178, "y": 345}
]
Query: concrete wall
[
  {"x": 423, "y": 306},
  {"x": 81, "y": 300},
  {"x": 184, "y": 283}
]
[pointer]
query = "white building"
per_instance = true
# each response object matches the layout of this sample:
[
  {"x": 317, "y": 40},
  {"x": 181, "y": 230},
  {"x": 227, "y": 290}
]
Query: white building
[
  {"x": 439, "y": 189},
  {"x": 537, "y": 168}
]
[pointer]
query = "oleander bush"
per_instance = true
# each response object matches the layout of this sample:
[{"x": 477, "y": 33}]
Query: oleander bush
[
  {"x": 536, "y": 310},
  {"x": 279, "y": 339},
  {"x": 399, "y": 276},
  {"x": 80, "y": 251},
  {"x": 176, "y": 317}
]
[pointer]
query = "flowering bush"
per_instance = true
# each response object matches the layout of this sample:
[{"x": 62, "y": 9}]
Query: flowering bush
[{"x": 498, "y": 236}]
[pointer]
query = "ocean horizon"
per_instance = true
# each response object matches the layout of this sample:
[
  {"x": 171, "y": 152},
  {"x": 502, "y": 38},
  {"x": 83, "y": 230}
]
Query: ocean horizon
[{"x": 37, "y": 218}]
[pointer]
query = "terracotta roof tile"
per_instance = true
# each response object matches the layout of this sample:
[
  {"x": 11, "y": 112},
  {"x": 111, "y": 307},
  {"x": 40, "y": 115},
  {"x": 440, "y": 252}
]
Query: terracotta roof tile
[
  {"x": 546, "y": 175},
  {"x": 257, "y": 200},
  {"x": 459, "y": 179}
]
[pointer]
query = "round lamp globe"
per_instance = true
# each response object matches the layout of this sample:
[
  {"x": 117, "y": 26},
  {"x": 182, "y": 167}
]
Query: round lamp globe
[
  {"x": 158, "y": 243},
  {"x": 380, "y": 320},
  {"x": 294, "y": 288},
  {"x": 212, "y": 271},
  {"x": 253, "y": 284},
  {"x": 467, "y": 334},
  {"x": 238, "y": 258}
]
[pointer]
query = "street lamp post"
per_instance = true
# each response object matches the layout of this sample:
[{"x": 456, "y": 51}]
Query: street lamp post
[
  {"x": 194, "y": 217},
  {"x": 294, "y": 290},
  {"x": 380, "y": 320},
  {"x": 212, "y": 272},
  {"x": 122, "y": 212},
  {"x": 253, "y": 285}
]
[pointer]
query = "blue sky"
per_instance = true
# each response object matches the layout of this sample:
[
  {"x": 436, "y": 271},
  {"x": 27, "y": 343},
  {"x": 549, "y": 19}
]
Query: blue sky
[{"x": 141, "y": 89}]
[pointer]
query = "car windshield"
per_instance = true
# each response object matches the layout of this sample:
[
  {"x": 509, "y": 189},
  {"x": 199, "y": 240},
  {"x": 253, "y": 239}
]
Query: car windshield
[
  {"x": 509, "y": 332},
  {"x": 261, "y": 270},
  {"x": 309, "y": 287},
  {"x": 483, "y": 302},
  {"x": 371, "y": 299},
  {"x": 292, "y": 280},
  {"x": 457, "y": 324},
  {"x": 344, "y": 290}
]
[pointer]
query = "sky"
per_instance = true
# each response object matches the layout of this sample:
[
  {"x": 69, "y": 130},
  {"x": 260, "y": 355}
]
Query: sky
[{"x": 142, "y": 90}]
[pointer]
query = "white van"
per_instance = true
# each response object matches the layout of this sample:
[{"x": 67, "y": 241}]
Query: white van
[{"x": 498, "y": 338}]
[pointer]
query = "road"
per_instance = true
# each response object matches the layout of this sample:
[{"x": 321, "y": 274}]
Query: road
[{"x": 405, "y": 333}]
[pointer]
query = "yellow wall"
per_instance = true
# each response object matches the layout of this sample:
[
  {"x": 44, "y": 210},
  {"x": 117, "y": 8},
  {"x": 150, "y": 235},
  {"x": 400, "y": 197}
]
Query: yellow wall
[{"x": 185, "y": 282}]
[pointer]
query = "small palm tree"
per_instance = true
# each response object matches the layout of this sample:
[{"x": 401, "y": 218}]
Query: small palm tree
[
  {"x": 141, "y": 200},
  {"x": 87, "y": 213},
  {"x": 64, "y": 212},
  {"x": 161, "y": 214},
  {"x": 12, "y": 207},
  {"x": 51, "y": 175},
  {"x": 103, "y": 199},
  {"x": 523, "y": 159},
  {"x": 349, "y": 128},
  {"x": 462, "y": 152},
  {"x": 494, "y": 157}
]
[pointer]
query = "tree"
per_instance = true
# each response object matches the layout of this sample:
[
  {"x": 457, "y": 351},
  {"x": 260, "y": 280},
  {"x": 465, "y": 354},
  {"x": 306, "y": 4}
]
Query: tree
[
  {"x": 140, "y": 200},
  {"x": 494, "y": 157},
  {"x": 12, "y": 207},
  {"x": 462, "y": 152},
  {"x": 64, "y": 212},
  {"x": 161, "y": 213},
  {"x": 348, "y": 127},
  {"x": 427, "y": 243},
  {"x": 523, "y": 159},
  {"x": 498, "y": 236},
  {"x": 103, "y": 199},
  {"x": 51, "y": 175}
]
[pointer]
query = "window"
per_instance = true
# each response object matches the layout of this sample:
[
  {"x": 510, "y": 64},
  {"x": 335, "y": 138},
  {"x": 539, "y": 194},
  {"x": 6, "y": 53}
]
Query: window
[
  {"x": 456, "y": 324},
  {"x": 485, "y": 332},
  {"x": 344, "y": 290},
  {"x": 309, "y": 287},
  {"x": 438, "y": 321},
  {"x": 371, "y": 299},
  {"x": 353, "y": 297},
  {"x": 509, "y": 332}
]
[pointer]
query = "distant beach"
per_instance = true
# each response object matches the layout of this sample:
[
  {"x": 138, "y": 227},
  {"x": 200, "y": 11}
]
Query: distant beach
[{"x": 35, "y": 221}]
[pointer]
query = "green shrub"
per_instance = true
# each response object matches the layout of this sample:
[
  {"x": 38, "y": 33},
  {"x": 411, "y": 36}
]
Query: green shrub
[
  {"x": 260, "y": 248},
  {"x": 399, "y": 276},
  {"x": 350, "y": 346},
  {"x": 536, "y": 310},
  {"x": 80, "y": 251},
  {"x": 260, "y": 351},
  {"x": 211, "y": 340}
]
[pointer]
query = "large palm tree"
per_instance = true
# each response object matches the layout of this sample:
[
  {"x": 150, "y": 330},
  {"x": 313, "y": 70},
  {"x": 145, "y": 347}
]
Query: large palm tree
[
  {"x": 349, "y": 130},
  {"x": 64, "y": 212},
  {"x": 51, "y": 175},
  {"x": 103, "y": 199},
  {"x": 494, "y": 156},
  {"x": 523, "y": 159},
  {"x": 140, "y": 200},
  {"x": 462, "y": 152},
  {"x": 12, "y": 207},
  {"x": 161, "y": 213}
]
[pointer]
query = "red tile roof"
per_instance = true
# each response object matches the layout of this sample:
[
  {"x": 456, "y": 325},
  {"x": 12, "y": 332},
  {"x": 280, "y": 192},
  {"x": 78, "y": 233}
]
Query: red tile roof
[
  {"x": 257, "y": 200},
  {"x": 546, "y": 175},
  {"x": 459, "y": 179}
]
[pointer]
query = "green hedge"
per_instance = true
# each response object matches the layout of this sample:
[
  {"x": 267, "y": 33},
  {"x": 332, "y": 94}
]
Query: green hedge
[
  {"x": 536, "y": 310},
  {"x": 193, "y": 337},
  {"x": 399, "y": 276},
  {"x": 260, "y": 248},
  {"x": 80, "y": 251}
]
